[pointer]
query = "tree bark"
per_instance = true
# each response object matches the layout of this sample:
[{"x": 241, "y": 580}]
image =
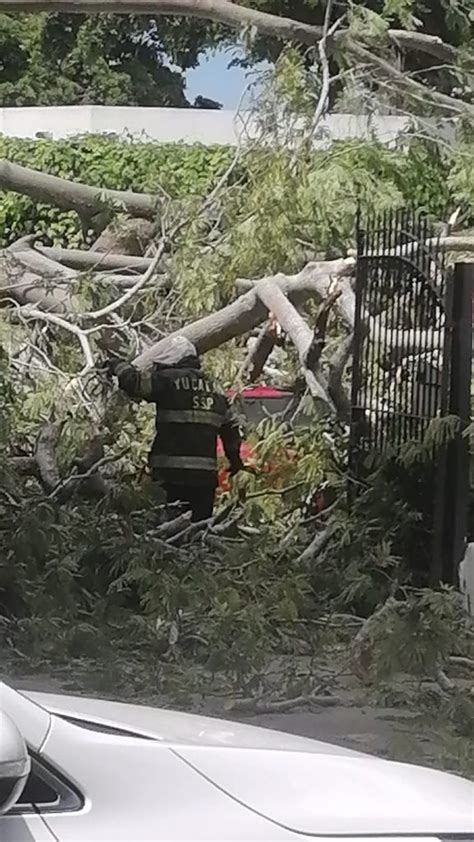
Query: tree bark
[
  {"x": 232, "y": 15},
  {"x": 256, "y": 359},
  {"x": 219, "y": 11},
  {"x": 337, "y": 367},
  {"x": 319, "y": 280},
  {"x": 299, "y": 332},
  {"x": 44, "y": 265},
  {"x": 287, "y": 316},
  {"x": 26, "y": 286},
  {"x": 87, "y": 201},
  {"x": 45, "y": 455},
  {"x": 131, "y": 236},
  {"x": 97, "y": 261},
  {"x": 247, "y": 311}
]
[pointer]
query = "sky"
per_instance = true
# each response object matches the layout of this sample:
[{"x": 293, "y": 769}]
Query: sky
[{"x": 213, "y": 79}]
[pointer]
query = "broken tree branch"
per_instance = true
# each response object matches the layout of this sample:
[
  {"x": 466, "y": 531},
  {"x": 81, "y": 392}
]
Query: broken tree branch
[
  {"x": 71, "y": 482},
  {"x": 141, "y": 282},
  {"x": 42, "y": 264},
  {"x": 72, "y": 195},
  {"x": 318, "y": 341},
  {"x": 97, "y": 261},
  {"x": 232, "y": 15},
  {"x": 295, "y": 326},
  {"x": 52, "y": 318},
  {"x": 317, "y": 545},
  {"x": 29, "y": 287},
  {"x": 248, "y": 311},
  {"x": 337, "y": 367},
  {"x": 257, "y": 705},
  {"x": 391, "y": 72},
  {"x": 323, "y": 57},
  {"x": 259, "y": 354},
  {"x": 461, "y": 661}
]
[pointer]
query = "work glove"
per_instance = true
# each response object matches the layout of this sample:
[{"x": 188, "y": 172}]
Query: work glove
[{"x": 110, "y": 366}]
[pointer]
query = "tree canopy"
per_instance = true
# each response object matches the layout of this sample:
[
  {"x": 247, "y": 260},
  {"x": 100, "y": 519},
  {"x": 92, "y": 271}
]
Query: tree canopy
[
  {"x": 62, "y": 59},
  {"x": 56, "y": 57}
]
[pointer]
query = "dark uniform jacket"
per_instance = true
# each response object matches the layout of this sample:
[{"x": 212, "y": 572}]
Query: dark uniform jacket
[{"x": 190, "y": 414}]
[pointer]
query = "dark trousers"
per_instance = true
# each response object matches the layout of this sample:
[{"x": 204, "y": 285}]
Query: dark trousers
[{"x": 198, "y": 499}]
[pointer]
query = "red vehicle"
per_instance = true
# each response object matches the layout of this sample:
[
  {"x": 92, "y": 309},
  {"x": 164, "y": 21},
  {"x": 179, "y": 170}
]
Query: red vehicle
[{"x": 256, "y": 403}]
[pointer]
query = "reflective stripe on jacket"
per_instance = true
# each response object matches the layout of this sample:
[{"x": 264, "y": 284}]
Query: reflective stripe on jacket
[{"x": 190, "y": 414}]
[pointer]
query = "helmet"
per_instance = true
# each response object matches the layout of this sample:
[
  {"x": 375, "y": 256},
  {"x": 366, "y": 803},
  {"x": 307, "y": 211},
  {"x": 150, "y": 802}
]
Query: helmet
[{"x": 174, "y": 349}]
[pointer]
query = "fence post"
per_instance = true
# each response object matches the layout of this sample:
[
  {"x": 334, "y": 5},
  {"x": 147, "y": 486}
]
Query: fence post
[{"x": 457, "y": 480}]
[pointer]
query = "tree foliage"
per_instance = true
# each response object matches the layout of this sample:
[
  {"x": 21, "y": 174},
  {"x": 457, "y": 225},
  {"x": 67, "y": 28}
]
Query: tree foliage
[
  {"x": 368, "y": 23},
  {"x": 82, "y": 575},
  {"x": 57, "y": 59}
]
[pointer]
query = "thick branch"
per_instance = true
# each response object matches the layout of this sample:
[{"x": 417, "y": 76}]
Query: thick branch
[
  {"x": 418, "y": 88},
  {"x": 77, "y": 259},
  {"x": 318, "y": 280},
  {"x": 431, "y": 45},
  {"x": 317, "y": 545},
  {"x": 247, "y": 311},
  {"x": 337, "y": 366},
  {"x": 28, "y": 287},
  {"x": 318, "y": 342},
  {"x": 219, "y": 11},
  {"x": 295, "y": 326},
  {"x": 230, "y": 14},
  {"x": 257, "y": 357},
  {"x": 44, "y": 265},
  {"x": 70, "y": 195},
  {"x": 454, "y": 243},
  {"x": 45, "y": 455}
]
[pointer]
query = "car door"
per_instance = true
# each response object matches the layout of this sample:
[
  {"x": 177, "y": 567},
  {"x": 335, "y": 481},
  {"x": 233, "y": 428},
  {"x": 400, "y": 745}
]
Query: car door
[
  {"x": 24, "y": 828},
  {"x": 23, "y": 823},
  {"x": 45, "y": 792}
]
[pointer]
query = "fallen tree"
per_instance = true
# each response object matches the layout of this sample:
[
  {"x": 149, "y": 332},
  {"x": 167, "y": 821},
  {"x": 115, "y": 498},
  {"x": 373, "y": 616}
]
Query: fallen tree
[
  {"x": 44, "y": 284},
  {"x": 80, "y": 533},
  {"x": 92, "y": 205}
]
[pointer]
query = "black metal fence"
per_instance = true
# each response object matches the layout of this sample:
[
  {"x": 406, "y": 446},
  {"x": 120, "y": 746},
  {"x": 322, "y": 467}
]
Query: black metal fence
[
  {"x": 401, "y": 343},
  {"x": 412, "y": 357}
]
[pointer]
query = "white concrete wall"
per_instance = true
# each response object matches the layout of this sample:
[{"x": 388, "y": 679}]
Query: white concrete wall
[{"x": 172, "y": 125}]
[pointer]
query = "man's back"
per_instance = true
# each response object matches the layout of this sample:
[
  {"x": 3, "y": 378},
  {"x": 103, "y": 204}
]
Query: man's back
[{"x": 190, "y": 414}]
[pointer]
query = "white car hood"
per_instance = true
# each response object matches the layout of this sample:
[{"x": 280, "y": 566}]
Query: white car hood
[
  {"x": 178, "y": 728},
  {"x": 303, "y": 785},
  {"x": 335, "y": 795}
]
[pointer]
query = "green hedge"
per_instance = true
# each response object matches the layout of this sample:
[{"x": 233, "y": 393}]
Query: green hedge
[
  {"x": 420, "y": 176},
  {"x": 107, "y": 162}
]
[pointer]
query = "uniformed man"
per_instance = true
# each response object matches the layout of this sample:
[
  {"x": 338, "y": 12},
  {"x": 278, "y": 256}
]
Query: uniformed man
[{"x": 190, "y": 414}]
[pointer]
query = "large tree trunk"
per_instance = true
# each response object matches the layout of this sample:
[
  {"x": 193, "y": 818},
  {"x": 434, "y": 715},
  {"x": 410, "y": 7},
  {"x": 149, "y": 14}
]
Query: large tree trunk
[
  {"x": 87, "y": 201},
  {"x": 248, "y": 311},
  {"x": 130, "y": 236}
]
